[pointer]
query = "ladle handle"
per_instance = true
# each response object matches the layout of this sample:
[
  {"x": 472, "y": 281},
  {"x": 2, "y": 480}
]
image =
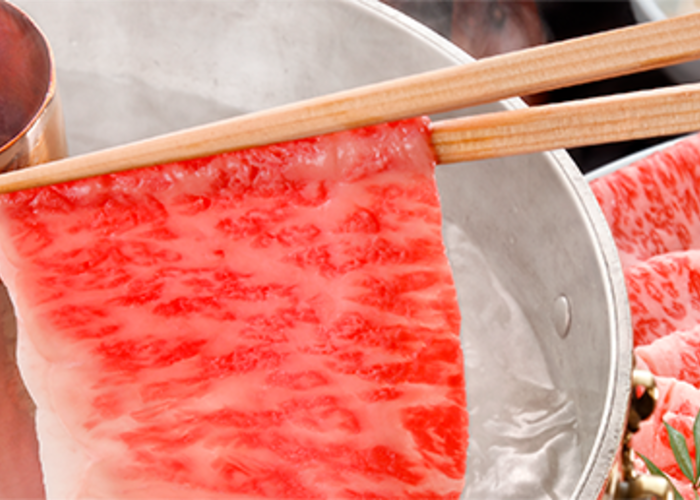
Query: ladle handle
[{"x": 636, "y": 115}]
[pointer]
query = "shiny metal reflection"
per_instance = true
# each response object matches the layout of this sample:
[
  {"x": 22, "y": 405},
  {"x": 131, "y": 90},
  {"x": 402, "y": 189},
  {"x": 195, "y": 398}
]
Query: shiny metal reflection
[
  {"x": 31, "y": 121},
  {"x": 31, "y": 132},
  {"x": 543, "y": 192}
]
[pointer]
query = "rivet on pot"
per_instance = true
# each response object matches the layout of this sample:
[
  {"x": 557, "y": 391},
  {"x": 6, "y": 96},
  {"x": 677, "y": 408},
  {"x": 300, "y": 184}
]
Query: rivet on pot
[{"x": 561, "y": 315}]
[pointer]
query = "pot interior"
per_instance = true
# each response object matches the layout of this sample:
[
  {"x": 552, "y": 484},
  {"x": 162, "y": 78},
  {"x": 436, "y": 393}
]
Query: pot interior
[{"x": 545, "y": 332}]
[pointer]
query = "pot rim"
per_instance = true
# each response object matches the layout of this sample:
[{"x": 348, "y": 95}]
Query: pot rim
[{"x": 612, "y": 425}]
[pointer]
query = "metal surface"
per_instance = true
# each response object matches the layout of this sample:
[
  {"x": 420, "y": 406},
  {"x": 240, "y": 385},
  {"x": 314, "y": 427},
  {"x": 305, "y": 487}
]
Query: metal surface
[
  {"x": 31, "y": 132},
  {"x": 624, "y": 481},
  {"x": 31, "y": 124},
  {"x": 129, "y": 70}
]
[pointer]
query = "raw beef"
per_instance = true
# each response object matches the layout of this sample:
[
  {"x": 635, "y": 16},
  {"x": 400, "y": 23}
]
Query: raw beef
[
  {"x": 272, "y": 323},
  {"x": 653, "y": 209},
  {"x": 678, "y": 404},
  {"x": 676, "y": 355},
  {"x": 653, "y": 206},
  {"x": 664, "y": 294}
]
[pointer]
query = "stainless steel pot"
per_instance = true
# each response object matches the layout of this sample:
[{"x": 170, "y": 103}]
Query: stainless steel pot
[{"x": 129, "y": 70}]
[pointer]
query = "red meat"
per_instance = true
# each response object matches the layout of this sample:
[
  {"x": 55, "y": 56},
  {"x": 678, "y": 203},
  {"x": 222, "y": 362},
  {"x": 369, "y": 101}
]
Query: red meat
[
  {"x": 653, "y": 209},
  {"x": 277, "y": 322}
]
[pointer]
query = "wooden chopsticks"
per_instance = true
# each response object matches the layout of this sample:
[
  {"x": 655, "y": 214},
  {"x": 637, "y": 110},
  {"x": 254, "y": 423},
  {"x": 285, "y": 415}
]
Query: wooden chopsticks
[
  {"x": 604, "y": 55},
  {"x": 636, "y": 115}
]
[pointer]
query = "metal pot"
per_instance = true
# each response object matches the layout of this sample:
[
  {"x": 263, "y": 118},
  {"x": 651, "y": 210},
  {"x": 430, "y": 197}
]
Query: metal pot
[
  {"x": 129, "y": 70},
  {"x": 31, "y": 124}
]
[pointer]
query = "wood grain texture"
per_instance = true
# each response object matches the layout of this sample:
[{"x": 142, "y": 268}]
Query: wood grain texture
[
  {"x": 637, "y": 115},
  {"x": 603, "y": 55}
]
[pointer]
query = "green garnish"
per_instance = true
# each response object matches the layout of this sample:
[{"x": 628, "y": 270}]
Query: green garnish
[{"x": 679, "y": 447}]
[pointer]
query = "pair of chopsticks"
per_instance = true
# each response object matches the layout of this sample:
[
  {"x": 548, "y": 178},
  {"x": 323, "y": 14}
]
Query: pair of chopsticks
[{"x": 658, "y": 112}]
